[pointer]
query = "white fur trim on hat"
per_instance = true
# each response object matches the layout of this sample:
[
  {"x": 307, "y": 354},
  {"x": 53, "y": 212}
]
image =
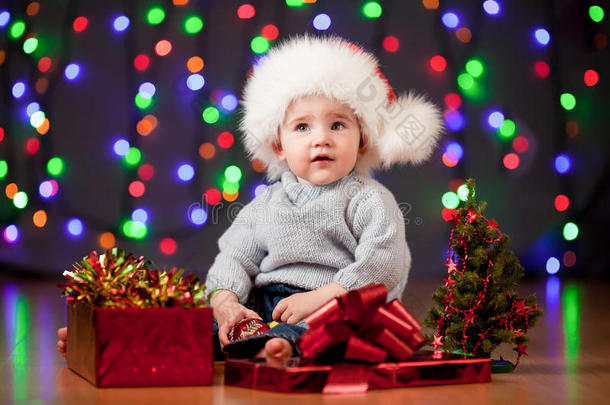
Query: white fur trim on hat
[{"x": 397, "y": 131}]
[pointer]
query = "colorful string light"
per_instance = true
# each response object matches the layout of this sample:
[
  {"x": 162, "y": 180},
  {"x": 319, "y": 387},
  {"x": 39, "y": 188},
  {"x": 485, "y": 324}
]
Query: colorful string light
[
  {"x": 120, "y": 23},
  {"x": 259, "y": 44},
  {"x": 185, "y": 172},
  {"x": 491, "y": 7},
  {"x": 193, "y": 24},
  {"x": 246, "y": 11},
  {"x": 168, "y": 246},
  {"x": 221, "y": 104},
  {"x": 198, "y": 216},
  {"x": 75, "y": 227},
  {"x": 390, "y": 43},
  {"x": 194, "y": 64},
  {"x": 195, "y": 82},
  {"x": 11, "y": 234},
  {"x": 80, "y": 24},
  {"x": 141, "y": 62},
  {"x": 450, "y": 20},
  {"x": 542, "y": 69},
  {"x": 438, "y": 63},
  {"x": 321, "y": 22},
  {"x": 5, "y": 17},
  {"x": 542, "y": 36},
  {"x": 72, "y": 71},
  {"x": 155, "y": 15},
  {"x": 270, "y": 32}
]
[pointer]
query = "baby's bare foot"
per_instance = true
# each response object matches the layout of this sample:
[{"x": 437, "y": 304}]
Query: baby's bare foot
[{"x": 275, "y": 350}]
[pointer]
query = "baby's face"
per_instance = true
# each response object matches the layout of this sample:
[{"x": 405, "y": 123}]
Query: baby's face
[{"x": 320, "y": 139}]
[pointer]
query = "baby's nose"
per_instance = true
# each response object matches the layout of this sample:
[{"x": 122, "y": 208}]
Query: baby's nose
[{"x": 321, "y": 138}]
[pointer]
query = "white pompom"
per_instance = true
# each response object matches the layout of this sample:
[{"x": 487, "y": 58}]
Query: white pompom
[{"x": 411, "y": 128}]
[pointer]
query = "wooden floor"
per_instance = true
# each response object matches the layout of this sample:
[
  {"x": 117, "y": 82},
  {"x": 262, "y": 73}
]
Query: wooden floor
[{"x": 568, "y": 362}]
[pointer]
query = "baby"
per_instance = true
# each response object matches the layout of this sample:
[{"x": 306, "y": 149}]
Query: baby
[
  {"x": 320, "y": 114},
  {"x": 320, "y": 140}
]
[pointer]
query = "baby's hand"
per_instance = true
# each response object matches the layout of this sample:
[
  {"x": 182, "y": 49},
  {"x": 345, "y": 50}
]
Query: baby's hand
[
  {"x": 227, "y": 312},
  {"x": 297, "y": 306}
]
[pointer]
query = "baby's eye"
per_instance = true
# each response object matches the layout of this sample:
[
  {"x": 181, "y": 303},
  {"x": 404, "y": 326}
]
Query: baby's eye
[
  {"x": 337, "y": 126},
  {"x": 302, "y": 127}
]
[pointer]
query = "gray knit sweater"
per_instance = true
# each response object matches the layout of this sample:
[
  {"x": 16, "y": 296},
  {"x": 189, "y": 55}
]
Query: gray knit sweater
[{"x": 350, "y": 231}]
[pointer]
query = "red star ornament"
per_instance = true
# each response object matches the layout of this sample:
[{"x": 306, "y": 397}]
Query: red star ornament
[
  {"x": 521, "y": 350},
  {"x": 452, "y": 266},
  {"x": 436, "y": 342},
  {"x": 455, "y": 219},
  {"x": 521, "y": 308},
  {"x": 471, "y": 217},
  {"x": 469, "y": 317}
]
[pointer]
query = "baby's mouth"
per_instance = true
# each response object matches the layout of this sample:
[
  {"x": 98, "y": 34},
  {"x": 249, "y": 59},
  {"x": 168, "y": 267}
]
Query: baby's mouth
[{"x": 322, "y": 158}]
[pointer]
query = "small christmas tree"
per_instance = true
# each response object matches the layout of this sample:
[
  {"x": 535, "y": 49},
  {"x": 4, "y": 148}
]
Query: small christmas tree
[{"x": 476, "y": 309}]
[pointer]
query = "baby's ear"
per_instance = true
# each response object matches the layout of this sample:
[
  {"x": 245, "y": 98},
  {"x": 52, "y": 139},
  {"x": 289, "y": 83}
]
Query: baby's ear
[
  {"x": 363, "y": 146},
  {"x": 277, "y": 149}
]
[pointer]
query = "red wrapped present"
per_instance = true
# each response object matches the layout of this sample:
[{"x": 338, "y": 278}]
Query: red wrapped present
[
  {"x": 298, "y": 375},
  {"x": 140, "y": 347},
  {"x": 133, "y": 326},
  {"x": 369, "y": 344},
  {"x": 361, "y": 326}
]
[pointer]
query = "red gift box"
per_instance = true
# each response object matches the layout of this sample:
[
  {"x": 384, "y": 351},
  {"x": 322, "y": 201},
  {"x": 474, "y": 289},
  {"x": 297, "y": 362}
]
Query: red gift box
[
  {"x": 370, "y": 344},
  {"x": 298, "y": 375},
  {"x": 360, "y": 325},
  {"x": 140, "y": 347}
]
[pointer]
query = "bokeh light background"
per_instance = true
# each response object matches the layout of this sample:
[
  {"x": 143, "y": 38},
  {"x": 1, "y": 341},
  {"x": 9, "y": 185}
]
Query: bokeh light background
[{"x": 118, "y": 123}]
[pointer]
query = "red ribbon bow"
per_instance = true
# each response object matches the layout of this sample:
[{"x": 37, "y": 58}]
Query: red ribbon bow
[{"x": 363, "y": 326}]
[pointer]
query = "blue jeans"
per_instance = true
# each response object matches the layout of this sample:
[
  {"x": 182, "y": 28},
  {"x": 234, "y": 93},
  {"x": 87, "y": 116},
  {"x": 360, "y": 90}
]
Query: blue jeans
[{"x": 263, "y": 300}]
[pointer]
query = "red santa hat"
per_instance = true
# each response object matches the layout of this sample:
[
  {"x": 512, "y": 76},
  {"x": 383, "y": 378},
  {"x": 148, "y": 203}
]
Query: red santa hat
[{"x": 397, "y": 129}]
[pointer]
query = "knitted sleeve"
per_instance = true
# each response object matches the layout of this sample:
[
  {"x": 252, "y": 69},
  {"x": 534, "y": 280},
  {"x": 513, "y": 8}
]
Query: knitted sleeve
[
  {"x": 381, "y": 255},
  {"x": 239, "y": 257}
]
